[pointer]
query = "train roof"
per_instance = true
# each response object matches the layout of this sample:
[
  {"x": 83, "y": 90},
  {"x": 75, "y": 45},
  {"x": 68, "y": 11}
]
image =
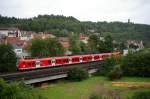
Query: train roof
[{"x": 48, "y": 58}]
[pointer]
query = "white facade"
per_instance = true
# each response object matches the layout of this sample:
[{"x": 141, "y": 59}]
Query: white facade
[
  {"x": 4, "y": 32},
  {"x": 10, "y": 32},
  {"x": 18, "y": 51},
  {"x": 26, "y": 38},
  {"x": 125, "y": 52}
]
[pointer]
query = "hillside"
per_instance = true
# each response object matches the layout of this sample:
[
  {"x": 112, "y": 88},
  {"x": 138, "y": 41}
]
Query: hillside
[{"x": 62, "y": 25}]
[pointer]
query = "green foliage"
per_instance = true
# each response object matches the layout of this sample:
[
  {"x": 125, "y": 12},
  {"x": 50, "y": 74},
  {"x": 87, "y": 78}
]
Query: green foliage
[
  {"x": 84, "y": 48},
  {"x": 121, "y": 46},
  {"x": 96, "y": 45},
  {"x": 93, "y": 43},
  {"x": 95, "y": 96},
  {"x": 61, "y": 26},
  {"x": 74, "y": 43},
  {"x": 137, "y": 64},
  {"x": 7, "y": 58},
  {"x": 108, "y": 43},
  {"x": 108, "y": 65},
  {"x": 77, "y": 74},
  {"x": 115, "y": 73},
  {"x": 46, "y": 48},
  {"x": 16, "y": 90},
  {"x": 141, "y": 95}
]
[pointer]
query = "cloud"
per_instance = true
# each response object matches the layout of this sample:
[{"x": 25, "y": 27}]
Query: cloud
[{"x": 92, "y": 10}]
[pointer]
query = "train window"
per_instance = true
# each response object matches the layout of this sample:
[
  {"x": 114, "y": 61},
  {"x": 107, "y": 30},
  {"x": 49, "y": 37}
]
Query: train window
[
  {"x": 58, "y": 61},
  {"x": 49, "y": 61},
  {"x": 75, "y": 59},
  {"x": 89, "y": 57},
  {"x": 105, "y": 56},
  {"x": 84, "y": 58},
  {"x": 65, "y": 60},
  {"x": 29, "y": 64},
  {"x": 96, "y": 57},
  {"x": 33, "y": 63}
]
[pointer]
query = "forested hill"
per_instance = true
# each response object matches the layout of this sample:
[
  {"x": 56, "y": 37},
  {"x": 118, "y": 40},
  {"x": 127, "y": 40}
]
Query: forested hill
[{"x": 61, "y": 26}]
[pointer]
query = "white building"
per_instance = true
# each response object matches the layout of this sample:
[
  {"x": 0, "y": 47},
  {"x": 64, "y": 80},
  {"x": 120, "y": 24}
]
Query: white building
[
  {"x": 25, "y": 35},
  {"x": 18, "y": 50},
  {"x": 10, "y": 32}
]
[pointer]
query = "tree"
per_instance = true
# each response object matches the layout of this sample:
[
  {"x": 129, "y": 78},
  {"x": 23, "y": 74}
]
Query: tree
[
  {"x": 16, "y": 90},
  {"x": 93, "y": 43},
  {"x": 77, "y": 74},
  {"x": 108, "y": 43},
  {"x": 136, "y": 64},
  {"x": 46, "y": 48},
  {"x": 7, "y": 58},
  {"x": 122, "y": 46},
  {"x": 115, "y": 73},
  {"x": 84, "y": 47},
  {"x": 108, "y": 65},
  {"x": 74, "y": 44}
]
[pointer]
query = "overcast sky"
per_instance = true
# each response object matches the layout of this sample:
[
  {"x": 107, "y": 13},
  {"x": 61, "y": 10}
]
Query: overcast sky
[{"x": 84, "y": 10}]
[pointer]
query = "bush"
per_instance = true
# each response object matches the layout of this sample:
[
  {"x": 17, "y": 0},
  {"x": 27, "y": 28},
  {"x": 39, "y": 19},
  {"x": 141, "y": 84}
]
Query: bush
[
  {"x": 108, "y": 65},
  {"x": 115, "y": 74},
  {"x": 77, "y": 74},
  {"x": 141, "y": 95},
  {"x": 16, "y": 90},
  {"x": 8, "y": 58},
  {"x": 95, "y": 96},
  {"x": 137, "y": 64}
]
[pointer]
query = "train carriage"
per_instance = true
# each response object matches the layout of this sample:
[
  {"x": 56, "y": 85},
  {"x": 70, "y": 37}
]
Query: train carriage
[{"x": 60, "y": 61}]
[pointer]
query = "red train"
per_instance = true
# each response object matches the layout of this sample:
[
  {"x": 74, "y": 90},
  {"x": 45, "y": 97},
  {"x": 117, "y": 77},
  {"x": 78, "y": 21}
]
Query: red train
[{"x": 60, "y": 61}]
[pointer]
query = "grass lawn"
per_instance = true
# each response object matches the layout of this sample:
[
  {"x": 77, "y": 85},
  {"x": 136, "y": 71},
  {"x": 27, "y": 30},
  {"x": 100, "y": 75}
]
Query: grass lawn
[{"x": 82, "y": 90}]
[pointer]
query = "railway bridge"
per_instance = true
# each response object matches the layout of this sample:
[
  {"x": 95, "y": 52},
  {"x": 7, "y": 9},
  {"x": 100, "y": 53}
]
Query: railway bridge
[{"x": 46, "y": 74}]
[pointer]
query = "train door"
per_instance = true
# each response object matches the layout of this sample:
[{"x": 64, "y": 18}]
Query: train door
[
  {"x": 70, "y": 60},
  {"x": 53, "y": 62},
  {"x": 80, "y": 59},
  {"x": 92, "y": 58},
  {"x": 37, "y": 63}
]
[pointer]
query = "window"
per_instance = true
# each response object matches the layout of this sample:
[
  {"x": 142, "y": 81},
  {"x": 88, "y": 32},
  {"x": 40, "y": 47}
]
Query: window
[
  {"x": 75, "y": 59},
  {"x": 29, "y": 64},
  {"x": 84, "y": 58},
  {"x": 89, "y": 57},
  {"x": 58, "y": 61},
  {"x": 65, "y": 60},
  {"x": 96, "y": 57},
  {"x": 105, "y": 56},
  {"x": 33, "y": 63},
  {"x": 19, "y": 50}
]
